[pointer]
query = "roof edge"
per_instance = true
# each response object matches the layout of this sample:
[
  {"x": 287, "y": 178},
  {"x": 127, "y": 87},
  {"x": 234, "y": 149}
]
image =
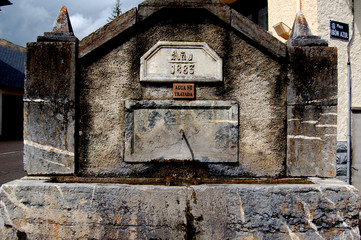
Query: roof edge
[
  {"x": 149, "y": 7},
  {"x": 258, "y": 35},
  {"x": 9, "y": 45},
  {"x": 107, "y": 32}
]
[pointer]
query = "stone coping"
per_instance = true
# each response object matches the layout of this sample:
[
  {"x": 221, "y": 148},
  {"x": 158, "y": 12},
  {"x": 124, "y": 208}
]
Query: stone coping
[{"x": 129, "y": 19}]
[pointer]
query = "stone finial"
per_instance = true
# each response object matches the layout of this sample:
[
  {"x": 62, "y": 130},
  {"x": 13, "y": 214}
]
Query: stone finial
[
  {"x": 301, "y": 34},
  {"x": 62, "y": 30},
  {"x": 300, "y": 26},
  {"x": 62, "y": 23}
]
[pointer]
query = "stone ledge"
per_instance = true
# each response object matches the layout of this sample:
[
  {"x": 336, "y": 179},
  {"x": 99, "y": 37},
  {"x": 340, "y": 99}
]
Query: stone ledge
[{"x": 327, "y": 209}]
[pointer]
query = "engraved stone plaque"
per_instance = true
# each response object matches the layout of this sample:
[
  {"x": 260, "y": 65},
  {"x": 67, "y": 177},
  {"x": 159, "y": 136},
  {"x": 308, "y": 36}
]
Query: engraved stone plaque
[
  {"x": 205, "y": 131},
  {"x": 181, "y": 62}
]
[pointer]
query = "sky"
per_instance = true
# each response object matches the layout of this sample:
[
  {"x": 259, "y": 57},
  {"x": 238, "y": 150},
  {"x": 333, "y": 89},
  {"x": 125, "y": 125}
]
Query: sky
[{"x": 23, "y": 21}]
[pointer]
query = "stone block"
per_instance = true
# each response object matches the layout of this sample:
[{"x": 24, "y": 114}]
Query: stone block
[
  {"x": 341, "y": 170},
  {"x": 38, "y": 209},
  {"x": 49, "y": 108},
  {"x": 312, "y": 76},
  {"x": 205, "y": 131},
  {"x": 341, "y": 158},
  {"x": 311, "y": 141},
  {"x": 49, "y": 145},
  {"x": 51, "y": 70}
]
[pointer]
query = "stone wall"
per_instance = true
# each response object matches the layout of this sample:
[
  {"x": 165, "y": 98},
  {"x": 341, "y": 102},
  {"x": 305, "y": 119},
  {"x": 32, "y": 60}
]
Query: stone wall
[
  {"x": 253, "y": 77},
  {"x": 341, "y": 161},
  {"x": 286, "y": 100}
]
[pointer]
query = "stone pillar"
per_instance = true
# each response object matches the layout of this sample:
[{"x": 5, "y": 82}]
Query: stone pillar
[
  {"x": 312, "y": 104},
  {"x": 49, "y": 101}
]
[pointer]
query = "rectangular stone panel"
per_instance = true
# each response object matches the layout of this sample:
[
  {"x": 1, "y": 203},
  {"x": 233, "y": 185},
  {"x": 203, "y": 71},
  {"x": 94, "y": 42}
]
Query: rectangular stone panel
[
  {"x": 205, "y": 131},
  {"x": 50, "y": 70},
  {"x": 181, "y": 62},
  {"x": 49, "y": 146},
  {"x": 312, "y": 76},
  {"x": 311, "y": 141}
]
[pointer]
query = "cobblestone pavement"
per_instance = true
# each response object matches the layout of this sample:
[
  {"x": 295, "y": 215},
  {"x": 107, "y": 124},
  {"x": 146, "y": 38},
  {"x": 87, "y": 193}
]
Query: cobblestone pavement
[{"x": 11, "y": 161}]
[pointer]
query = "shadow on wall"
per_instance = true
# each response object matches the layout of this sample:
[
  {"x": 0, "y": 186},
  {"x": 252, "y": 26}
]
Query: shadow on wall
[{"x": 12, "y": 117}]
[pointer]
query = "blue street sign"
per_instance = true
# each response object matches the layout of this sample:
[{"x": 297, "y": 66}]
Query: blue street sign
[{"x": 339, "y": 30}]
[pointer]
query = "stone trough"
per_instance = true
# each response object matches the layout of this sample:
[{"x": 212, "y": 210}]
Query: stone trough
[{"x": 179, "y": 120}]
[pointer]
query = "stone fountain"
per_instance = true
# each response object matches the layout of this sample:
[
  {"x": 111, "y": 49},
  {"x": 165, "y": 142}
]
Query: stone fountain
[{"x": 179, "y": 120}]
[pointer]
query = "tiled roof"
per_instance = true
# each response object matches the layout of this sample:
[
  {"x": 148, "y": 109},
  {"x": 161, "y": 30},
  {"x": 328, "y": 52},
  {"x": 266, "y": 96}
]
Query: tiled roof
[{"x": 12, "y": 69}]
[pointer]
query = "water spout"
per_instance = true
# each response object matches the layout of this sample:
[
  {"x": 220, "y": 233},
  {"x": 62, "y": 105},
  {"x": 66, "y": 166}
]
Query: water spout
[{"x": 183, "y": 136}]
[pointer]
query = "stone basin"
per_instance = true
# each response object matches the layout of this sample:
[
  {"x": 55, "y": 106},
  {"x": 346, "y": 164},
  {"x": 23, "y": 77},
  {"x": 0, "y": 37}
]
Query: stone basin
[{"x": 37, "y": 208}]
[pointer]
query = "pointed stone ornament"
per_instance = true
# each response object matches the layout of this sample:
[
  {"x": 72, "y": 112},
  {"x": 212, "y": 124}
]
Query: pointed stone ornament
[
  {"x": 301, "y": 34},
  {"x": 62, "y": 30},
  {"x": 62, "y": 23},
  {"x": 300, "y": 26}
]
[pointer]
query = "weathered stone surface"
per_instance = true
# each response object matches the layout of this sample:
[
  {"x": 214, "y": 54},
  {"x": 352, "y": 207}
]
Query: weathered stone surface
[
  {"x": 311, "y": 141},
  {"x": 301, "y": 34},
  {"x": 49, "y": 129},
  {"x": 7, "y": 232},
  {"x": 308, "y": 83},
  {"x": 255, "y": 80},
  {"x": 341, "y": 161},
  {"x": 38, "y": 209},
  {"x": 107, "y": 32},
  {"x": 181, "y": 62},
  {"x": 50, "y": 71},
  {"x": 205, "y": 131},
  {"x": 62, "y": 23},
  {"x": 49, "y": 143},
  {"x": 62, "y": 30}
]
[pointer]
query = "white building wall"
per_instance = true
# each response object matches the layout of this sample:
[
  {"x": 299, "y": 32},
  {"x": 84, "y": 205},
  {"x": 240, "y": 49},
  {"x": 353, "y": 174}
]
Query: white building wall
[
  {"x": 341, "y": 11},
  {"x": 285, "y": 11},
  {"x": 356, "y": 58}
]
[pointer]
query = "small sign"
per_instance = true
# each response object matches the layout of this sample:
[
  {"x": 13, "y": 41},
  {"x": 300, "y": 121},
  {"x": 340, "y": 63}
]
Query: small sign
[
  {"x": 339, "y": 30},
  {"x": 183, "y": 90}
]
